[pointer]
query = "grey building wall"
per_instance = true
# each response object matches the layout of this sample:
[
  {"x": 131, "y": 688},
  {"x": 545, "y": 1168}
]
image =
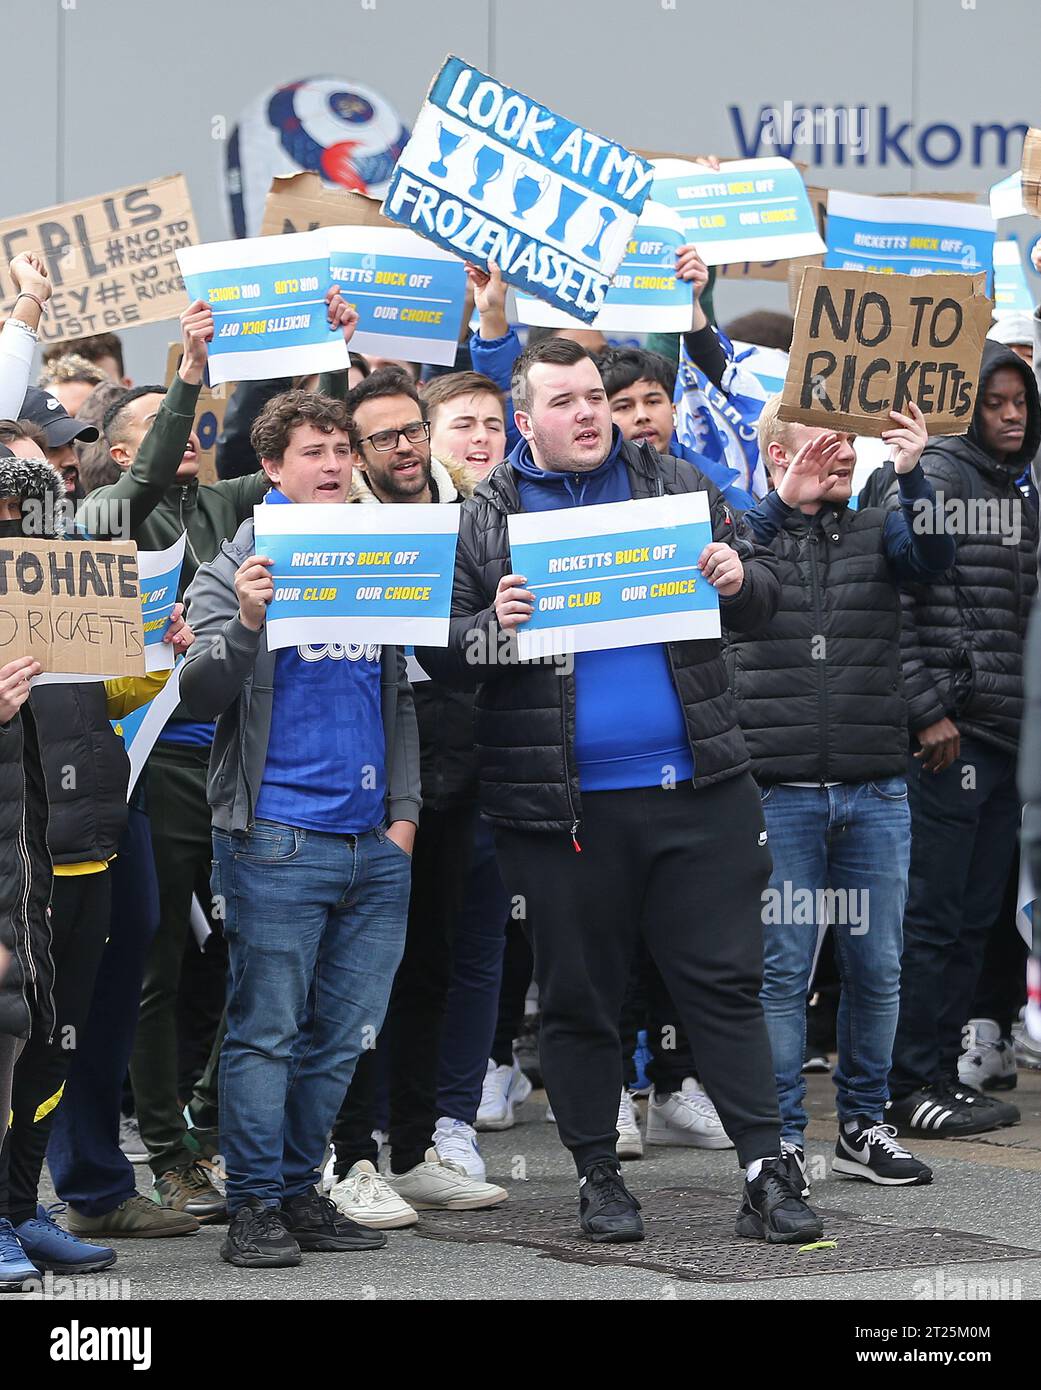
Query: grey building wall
[{"x": 100, "y": 93}]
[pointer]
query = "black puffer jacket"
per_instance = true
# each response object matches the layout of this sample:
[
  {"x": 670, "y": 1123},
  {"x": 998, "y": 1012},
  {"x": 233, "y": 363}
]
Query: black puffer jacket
[
  {"x": 819, "y": 690},
  {"x": 25, "y": 883},
  {"x": 525, "y": 711},
  {"x": 963, "y": 636}
]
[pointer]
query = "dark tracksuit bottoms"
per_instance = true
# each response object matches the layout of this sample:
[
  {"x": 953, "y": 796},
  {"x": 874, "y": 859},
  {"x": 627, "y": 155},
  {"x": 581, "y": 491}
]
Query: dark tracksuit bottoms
[
  {"x": 80, "y": 907},
  {"x": 89, "y": 1169},
  {"x": 684, "y": 870}
]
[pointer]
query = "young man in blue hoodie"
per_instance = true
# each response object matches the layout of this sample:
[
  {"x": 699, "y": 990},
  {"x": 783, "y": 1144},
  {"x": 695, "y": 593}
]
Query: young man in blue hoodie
[{"x": 621, "y": 801}]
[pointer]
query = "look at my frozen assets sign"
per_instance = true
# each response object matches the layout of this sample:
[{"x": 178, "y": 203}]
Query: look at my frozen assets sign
[
  {"x": 268, "y": 300},
  {"x": 748, "y": 210},
  {"x": 489, "y": 172},
  {"x": 409, "y": 294},
  {"x": 623, "y": 574},
  {"x": 908, "y": 236},
  {"x": 346, "y": 573}
]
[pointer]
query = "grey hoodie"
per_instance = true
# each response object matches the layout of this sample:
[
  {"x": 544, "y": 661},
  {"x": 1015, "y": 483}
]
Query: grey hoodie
[{"x": 229, "y": 676}]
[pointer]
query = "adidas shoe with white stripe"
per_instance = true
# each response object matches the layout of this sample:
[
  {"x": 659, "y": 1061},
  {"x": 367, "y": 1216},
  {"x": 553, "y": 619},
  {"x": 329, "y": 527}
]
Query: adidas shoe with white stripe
[
  {"x": 933, "y": 1112},
  {"x": 872, "y": 1153}
]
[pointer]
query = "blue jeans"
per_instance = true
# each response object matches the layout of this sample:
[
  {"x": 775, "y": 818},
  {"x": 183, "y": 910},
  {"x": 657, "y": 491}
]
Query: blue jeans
[
  {"x": 315, "y": 926},
  {"x": 854, "y": 839}
]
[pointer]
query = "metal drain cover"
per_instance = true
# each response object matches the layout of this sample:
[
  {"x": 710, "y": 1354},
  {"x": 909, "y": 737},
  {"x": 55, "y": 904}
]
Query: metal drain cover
[{"x": 690, "y": 1235}]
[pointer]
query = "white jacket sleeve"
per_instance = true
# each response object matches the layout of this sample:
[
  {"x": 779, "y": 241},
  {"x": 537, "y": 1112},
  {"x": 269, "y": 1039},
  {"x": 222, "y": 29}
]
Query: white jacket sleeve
[{"x": 17, "y": 345}]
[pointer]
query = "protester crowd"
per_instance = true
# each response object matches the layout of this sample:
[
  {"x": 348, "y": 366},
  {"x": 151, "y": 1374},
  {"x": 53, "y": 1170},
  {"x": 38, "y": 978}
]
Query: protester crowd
[{"x": 279, "y": 987}]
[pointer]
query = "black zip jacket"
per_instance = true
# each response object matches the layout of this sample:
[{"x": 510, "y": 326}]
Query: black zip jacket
[
  {"x": 525, "y": 711},
  {"x": 26, "y": 983}
]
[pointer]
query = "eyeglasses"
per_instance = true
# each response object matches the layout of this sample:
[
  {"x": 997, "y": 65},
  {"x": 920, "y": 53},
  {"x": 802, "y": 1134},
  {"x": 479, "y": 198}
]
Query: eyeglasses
[{"x": 385, "y": 440}]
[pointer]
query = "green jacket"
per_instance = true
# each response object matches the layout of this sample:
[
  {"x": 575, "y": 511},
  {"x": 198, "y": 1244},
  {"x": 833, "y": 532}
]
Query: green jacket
[{"x": 149, "y": 507}]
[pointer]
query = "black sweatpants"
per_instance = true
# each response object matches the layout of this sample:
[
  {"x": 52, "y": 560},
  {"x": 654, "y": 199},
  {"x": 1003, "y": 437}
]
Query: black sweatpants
[
  {"x": 685, "y": 870},
  {"x": 80, "y": 909}
]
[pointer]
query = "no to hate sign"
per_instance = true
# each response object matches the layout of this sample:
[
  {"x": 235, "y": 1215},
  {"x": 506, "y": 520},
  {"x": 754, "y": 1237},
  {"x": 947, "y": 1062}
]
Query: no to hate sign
[
  {"x": 866, "y": 343},
  {"x": 75, "y": 607},
  {"x": 489, "y": 172}
]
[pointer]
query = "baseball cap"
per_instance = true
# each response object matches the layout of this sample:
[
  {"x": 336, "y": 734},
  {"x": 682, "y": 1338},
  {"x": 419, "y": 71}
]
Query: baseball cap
[{"x": 50, "y": 415}]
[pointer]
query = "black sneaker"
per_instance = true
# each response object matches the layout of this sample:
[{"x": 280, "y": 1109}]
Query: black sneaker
[
  {"x": 258, "y": 1237},
  {"x": 934, "y": 1112},
  {"x": 794, "y": 1160},
  {"x": 773, "y": 1210},
  {"x": 316, "y": 1223},
  {"x": 873, "y": 1154},
  {"x": 607, "y": 1209},
  {"x": 1002, "y": 1112}
]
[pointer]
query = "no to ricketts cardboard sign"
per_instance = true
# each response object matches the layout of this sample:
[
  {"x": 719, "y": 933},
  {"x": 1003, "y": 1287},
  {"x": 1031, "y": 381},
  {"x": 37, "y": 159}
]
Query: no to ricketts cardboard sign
[
  {"x": 75, "y": 607},
  {"x": 866, "y": 343},
  {"x": 110, "y": 258}
]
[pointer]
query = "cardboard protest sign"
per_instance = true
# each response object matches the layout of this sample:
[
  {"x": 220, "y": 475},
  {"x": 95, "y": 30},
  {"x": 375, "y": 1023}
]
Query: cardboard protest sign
[
  {"x": 1030, "y": 172},
  {"x": 74, "y": 606},
  {"x": 621, "y": 574},
  {"x": 159, "y": 573},
  {"x": 866, "y": 343},
  {"x": 908, "y": 236},
  {"x": 346, "y": 573},
  {"x": 750, "y": 210},
  {"x": 268, "y": 301},
  {"x": 490, "y": 172},
  {"x": 409, "y": 293},
  {"x": 1011, "y": 292},
  {"x": 646, "y": 295},
  {"x": 111, "y": 258},
  {"x": 302, "y": 203},
  {"x": 209, "y": 415}
]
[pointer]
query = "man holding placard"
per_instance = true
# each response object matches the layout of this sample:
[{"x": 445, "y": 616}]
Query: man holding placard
[
  {"x": 314, "y": 789},
  {"x": 618, "y": 790},
  {"x": 819, "y": 695}
]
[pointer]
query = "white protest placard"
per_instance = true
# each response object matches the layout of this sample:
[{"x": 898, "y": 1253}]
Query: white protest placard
[
  {"x": 748, "y": 210},
  {"x": 621, "y": 574},
  {"x": 1011, "y": 291},
  {"x": 159, "y": 572},
  {"x": 140, "y": 729},
  {"x": 908, "y": 236},
  {"x": 345, "y": 573},
  {"x": 268, "y": 300},
  {"x": 408, "y": 292},
  {"x": 646, "y": 295},
  {"x": 490, "y": 172},
  {"x": 1006, "y": 197}
]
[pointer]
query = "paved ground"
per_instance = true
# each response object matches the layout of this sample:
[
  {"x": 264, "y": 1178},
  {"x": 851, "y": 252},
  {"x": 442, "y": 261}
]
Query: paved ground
[{"x": 989, "y": 1186}]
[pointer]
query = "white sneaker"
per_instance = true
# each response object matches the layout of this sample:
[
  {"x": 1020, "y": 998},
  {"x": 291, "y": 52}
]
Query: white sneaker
[
  {"x": 130, "y": 1140},
  {"x": 686, "y": 1117},
  {"x": 630, "y": 1144},
  {"x": 989, "y": 1060},
  {"x": 1027, "y": 1051},
  {"x": 456, "y": 1141},
  {"x": 439, "y": 1184},
  {"x": 366, "y": 1198},
  {"x": 550, "y": 1118},
  {"x": 504, "y": 1087}
]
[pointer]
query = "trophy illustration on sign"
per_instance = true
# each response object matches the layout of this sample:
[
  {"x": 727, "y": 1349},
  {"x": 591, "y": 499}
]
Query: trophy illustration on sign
[
  {"x": 527, "y": 191},
  {"x": 607, "y": 216},
  {"x": 488, "y": 164},
  {"x": 448, "y": 141},
  {"x": 570, "y": 202}
]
